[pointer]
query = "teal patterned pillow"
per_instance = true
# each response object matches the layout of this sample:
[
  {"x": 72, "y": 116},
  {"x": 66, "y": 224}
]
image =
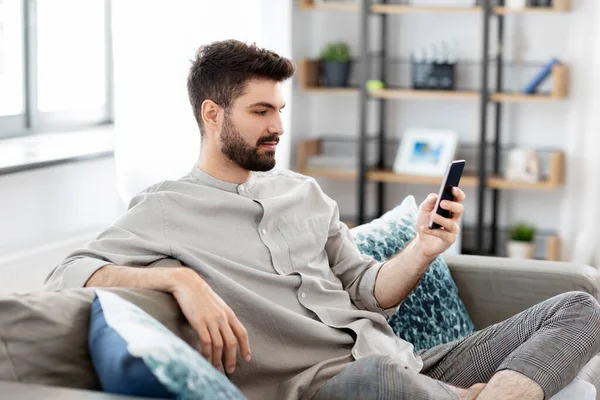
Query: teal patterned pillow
[
  {"x": 134, "y": 354},
  {"x": 433, "y": 313}
]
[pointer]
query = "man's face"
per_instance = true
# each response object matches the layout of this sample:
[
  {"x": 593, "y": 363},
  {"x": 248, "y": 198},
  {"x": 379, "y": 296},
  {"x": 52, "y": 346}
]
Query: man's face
[{"x": 252, "y": 128}]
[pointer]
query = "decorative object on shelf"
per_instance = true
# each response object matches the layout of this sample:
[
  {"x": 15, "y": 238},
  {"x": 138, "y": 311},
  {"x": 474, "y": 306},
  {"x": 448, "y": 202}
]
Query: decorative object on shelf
[
  {"x": 516, "y": 4},
  {"x": 541, "y": 3},
  {"x": 523, "y": 165},
  {"x": 335, "y": 64},
  {"x": 434, "y": 70},
  {"x": 374, "y": 85},
  {"x": 521, "y": 243},
  {"x": 537, "y": 80},
  {"x": 425, "y": 152}
]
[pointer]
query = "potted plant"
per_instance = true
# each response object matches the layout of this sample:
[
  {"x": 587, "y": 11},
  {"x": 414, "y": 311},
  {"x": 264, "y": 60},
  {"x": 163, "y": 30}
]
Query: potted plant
[
  {"x": 521, "y": 243},
  {"x": 335, "y": 64}
]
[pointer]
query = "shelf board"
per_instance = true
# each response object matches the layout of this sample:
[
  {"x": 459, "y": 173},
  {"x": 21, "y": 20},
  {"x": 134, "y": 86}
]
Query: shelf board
[
  {"x": 390, "y": 176},
  {"x": 392, "y": 94},
  {"x": 563, "y": 6},
  {"x": 341, "y": 6},
  {"x": 423, "y": 94},
  {"x": 505, "y": 184},
  {"x": 334, "y": 173},
  {"x": 439, "y": 94},
  {"x": 330, "y": 90},
  {"x": 406, "y": 9},
  {"x": 383, "y": 176},
  {"x": 524, "y": 98}
]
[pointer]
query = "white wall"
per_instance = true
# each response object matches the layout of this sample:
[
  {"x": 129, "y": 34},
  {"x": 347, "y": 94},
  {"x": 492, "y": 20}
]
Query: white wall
[
  {"x": 46, "y": 213},
  {"x": 157, "y": 136},
  {"x": 534, "y": 37}
]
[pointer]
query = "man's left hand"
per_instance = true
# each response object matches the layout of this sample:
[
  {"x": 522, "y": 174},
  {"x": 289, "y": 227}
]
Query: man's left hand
[{"x": 433, "y": 242}]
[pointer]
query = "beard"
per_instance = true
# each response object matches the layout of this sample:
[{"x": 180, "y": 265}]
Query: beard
[{"x": 243, "y": 154}]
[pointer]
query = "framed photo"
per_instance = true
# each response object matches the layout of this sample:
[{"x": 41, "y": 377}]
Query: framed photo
[
  {"x": 425, "y": 152},
  {"x": 523, "y": 165}
]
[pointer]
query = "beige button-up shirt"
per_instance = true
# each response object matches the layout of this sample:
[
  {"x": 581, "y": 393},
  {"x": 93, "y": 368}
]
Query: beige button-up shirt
[{"x": 275, "y": 250}]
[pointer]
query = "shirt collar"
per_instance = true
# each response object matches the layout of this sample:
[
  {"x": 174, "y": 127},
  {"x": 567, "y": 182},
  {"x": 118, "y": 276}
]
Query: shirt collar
[{"x": 210, "y": 180}]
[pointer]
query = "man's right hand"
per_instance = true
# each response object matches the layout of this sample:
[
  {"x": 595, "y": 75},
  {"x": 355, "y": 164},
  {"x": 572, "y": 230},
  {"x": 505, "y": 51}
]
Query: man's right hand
[{"x": 219, "y": 329}]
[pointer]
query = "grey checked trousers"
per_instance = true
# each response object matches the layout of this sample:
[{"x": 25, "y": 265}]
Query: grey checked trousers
[{"x": 549, "y": 343}]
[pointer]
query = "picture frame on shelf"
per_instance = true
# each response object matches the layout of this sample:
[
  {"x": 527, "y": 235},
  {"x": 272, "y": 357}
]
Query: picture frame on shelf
[
  {"x": 425, "y": 152},
  {"x": 523, "y": 165}
]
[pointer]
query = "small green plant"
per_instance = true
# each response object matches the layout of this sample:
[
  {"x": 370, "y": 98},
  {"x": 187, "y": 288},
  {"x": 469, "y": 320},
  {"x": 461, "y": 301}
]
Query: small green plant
[
  {"x": 522, "y": 232},
  {"x": 339, "y": 51}
]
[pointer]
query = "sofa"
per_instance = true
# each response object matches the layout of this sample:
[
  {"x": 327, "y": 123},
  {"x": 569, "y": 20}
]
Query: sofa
[{"x": 492, "y": 289}]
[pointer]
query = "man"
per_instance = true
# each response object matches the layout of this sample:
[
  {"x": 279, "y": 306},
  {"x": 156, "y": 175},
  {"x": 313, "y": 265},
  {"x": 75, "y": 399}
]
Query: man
[{"x": 259, "y": 261}]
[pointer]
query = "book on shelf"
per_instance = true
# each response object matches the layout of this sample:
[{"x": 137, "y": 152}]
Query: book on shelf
[{"x": 540, "y": 77}]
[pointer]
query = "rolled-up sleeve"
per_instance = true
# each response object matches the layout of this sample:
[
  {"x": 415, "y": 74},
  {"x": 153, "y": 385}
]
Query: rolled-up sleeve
[
  {"x": 137, "y": 238},
  {"x": 356, "y": 271}
]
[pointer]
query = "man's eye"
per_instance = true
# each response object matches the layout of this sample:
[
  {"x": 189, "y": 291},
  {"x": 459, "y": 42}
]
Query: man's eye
[{"x": 260, "y": 112}]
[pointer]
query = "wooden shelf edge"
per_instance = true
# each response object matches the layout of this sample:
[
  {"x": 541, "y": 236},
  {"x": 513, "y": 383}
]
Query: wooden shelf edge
[
  {"x": 407, "y": 9},
  {"x": 505, "y": 184},
  {"x": 330, "y": 7},
  {"x": 528, "y": 10},
  {"x": 553, "y": 248},
  {"x": 561, "y": 6},
  {"x": 334, "y": 173},
  {"x": 423, "y": 94},
  {"x": 524, "y": 98},
  {"x": 330, "y": 90},
  {"x": 391, "y": 177}
]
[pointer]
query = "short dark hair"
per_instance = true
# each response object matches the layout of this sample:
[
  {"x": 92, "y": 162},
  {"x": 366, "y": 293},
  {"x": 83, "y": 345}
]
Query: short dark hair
[{"x": 221, "y": 72}]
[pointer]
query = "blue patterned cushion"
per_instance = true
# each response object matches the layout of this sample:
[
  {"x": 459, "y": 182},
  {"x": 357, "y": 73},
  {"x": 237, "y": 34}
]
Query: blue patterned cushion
[
  {"x": 433, "y": 313},
  {"x": 134, "y": 354}
]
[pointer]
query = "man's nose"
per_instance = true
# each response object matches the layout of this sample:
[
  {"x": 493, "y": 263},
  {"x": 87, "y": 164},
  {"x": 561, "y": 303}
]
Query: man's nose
[{"x": 276, "y": 126}]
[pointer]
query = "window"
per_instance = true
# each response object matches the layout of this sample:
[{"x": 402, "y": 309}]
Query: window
[
  {"x": 11, "y": 58},
  {"x": 55, "y": 65}
]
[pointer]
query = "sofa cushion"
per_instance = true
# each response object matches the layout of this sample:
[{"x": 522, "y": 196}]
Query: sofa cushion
[
  {"x": 119, "y": 371},
  {"x": 433, "y": 313},
  {"x": 134, "y": 354},
  {"x": 44, "y": 335}
]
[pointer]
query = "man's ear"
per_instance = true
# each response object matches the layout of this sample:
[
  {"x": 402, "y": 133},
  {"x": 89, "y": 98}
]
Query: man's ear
[{"x": 210, "y": 113}]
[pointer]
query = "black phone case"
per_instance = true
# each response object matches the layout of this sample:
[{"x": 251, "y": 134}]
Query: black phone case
[{"x": 453, "y": 180}]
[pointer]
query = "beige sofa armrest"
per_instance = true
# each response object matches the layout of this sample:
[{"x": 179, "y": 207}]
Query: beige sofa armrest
[{"x": 495, "y": 288}]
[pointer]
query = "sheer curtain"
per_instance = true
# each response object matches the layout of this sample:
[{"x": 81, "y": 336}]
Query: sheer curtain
[
  {"x": 154, "y": 41},
  {"x": 581, "y": 210}
]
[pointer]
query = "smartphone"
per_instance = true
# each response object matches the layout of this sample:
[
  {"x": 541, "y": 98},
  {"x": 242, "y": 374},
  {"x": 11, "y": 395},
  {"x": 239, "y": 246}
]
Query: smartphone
[{"x": 451, "y": 179}]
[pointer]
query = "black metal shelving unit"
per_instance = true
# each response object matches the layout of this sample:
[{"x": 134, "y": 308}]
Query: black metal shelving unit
[
  {"x": 487, "y": 152},
  {"x": 482, "y": 227}
]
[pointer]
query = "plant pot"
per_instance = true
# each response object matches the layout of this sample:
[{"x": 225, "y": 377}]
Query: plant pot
[
  {"x": 516, "y": 4},
  {"x": 335, "y": 73},
  {"x": 517, "y": 249}
]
